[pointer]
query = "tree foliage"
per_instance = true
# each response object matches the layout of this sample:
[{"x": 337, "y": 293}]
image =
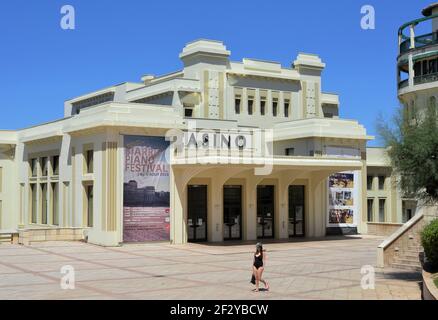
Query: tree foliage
[{"x": 412, "y": 141}]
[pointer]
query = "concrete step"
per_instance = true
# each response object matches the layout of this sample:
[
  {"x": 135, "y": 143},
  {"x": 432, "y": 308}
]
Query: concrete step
[
  {"x": 407, "y": 261},
  {"x": 410, "y": 254},
  {"x": 5, "y": 238},
  {"x": 405, "y": 267}
]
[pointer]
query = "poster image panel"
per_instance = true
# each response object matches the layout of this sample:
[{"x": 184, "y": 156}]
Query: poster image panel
[
  {"x": 146, "y": 196},
  {"x": 343, "y": 199}
]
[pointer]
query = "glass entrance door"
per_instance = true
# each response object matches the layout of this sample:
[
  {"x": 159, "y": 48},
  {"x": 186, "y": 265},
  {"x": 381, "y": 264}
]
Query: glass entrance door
[
  {"x": 265, "y": 212},
  {"x": 296, "y": 211},
  {"x": 197, "y": 213},
  {"x": 232, "y": 212}
]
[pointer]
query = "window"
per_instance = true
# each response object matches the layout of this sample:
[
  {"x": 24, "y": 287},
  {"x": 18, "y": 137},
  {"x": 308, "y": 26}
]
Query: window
[
  {"x": 432, "y": 66},
  {"x": 44, "y": 203},
  {"x": 425, "y": 67},
  {"x": 237, "y": 105},
  {"x": 432, "y": 102},
  {"x": 55, "y": 202},
  {"x": 250, "y": 106},
  {"x": 262, "y": 107},
  {"x": 370, "y": 182},
  {"x": 33, "y": 192},
  {"x": 370, "y": 209},
  {"x": 55, "y": 165},
  {"x": 274, "y": 107},
  {"x": 381, "y": 182},
  {"x": 417, "y": 69},
  {"x": 1, "y": 179},
  {"x": 188, "y": 112},
  {"x": 44, "y": 169},
  {"x": 290, "y": 151},
  {"x": 382, "y": 203},
  {"x": 89, "y": 161},
  {"x": 33, "y": 167},
  {"x": 89, "y": 194},
  {"x": 286, "y": 108}
]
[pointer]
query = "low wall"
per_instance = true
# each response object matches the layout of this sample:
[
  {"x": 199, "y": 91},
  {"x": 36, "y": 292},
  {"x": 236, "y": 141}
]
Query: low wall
[
  {"x": 382, "y": 228},
  {"x": 398, "y": 242},
  {"x": 27, "y": 236},
  {"x": 430, "y": 291}
]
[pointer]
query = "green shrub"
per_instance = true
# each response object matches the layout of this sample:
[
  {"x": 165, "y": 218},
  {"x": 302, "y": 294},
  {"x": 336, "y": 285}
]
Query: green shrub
[{"x": 429, "y": 241}]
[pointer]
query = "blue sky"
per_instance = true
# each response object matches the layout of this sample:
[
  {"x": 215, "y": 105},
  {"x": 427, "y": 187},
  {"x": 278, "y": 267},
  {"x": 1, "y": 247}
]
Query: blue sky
[{"x": 42, "y": 65}]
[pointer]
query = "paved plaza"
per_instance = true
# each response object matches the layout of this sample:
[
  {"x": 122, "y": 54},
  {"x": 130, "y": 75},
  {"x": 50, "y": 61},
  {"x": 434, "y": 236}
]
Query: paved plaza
[{"x": 328, "y": 268}]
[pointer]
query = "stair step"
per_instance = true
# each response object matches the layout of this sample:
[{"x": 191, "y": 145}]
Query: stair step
[
  {"x": 407, "y": 261},
  {"x": 402, "y": 266},
  {"x": 5, "y": 238}
]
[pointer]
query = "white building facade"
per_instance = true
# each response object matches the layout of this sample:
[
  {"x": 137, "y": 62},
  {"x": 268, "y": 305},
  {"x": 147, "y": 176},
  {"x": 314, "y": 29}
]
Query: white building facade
[{"x": 217, "y": 151}]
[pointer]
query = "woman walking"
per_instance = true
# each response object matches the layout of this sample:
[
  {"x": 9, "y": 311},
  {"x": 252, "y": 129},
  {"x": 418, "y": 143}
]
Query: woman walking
[{"x": 258, "y": 267}]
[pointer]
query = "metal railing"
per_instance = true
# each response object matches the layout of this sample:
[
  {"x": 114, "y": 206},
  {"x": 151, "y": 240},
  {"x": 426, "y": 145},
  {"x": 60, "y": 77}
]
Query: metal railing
[
  {"x": 403, "y": 84},
  {"x": 420, "y": 41},
  {"x": 426, "y": 78}
]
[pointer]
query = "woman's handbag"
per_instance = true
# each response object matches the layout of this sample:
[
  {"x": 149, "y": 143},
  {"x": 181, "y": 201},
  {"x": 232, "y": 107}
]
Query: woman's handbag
[{"x": 253, "y": 279}]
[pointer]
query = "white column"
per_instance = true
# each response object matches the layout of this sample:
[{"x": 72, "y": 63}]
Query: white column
[{"x": 412, "y": 34}]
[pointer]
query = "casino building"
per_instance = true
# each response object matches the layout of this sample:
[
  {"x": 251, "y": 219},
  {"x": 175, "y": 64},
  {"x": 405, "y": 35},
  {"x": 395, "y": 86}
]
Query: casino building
[{"x": 219, "y": 150}]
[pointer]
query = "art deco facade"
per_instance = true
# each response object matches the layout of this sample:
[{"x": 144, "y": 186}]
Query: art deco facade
[{"x": 66, "y": 178}]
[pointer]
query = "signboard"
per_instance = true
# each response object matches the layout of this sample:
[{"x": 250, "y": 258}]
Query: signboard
[
  {"x": 146, "y": 201},
  {"x": 343, "y": 199}
]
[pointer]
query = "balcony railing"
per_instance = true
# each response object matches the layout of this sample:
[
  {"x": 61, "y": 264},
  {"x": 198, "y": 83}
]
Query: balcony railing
[
  {"x": 419, "y": 41},
  {"x": 432, "y": 77},
  {"x": 403, "y": 84}
]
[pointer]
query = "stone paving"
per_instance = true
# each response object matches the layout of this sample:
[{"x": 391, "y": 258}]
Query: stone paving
[{"x": 327, "y": 268}]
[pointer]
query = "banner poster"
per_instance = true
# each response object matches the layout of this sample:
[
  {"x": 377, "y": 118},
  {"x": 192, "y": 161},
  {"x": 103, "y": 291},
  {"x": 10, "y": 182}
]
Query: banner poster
[
  {"x": 146, "y": 196},
  {"x": 343, "y": 198}
]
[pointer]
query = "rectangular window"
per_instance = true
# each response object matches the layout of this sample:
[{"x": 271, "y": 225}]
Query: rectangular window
[
  {"x": 55, "y": 204},
  {"x": 89, "y": 193},
  {"x": 290, "y": 151},
  {"x": 417, "y": 69},
  {"x": 44, "y": 203},
  {"x": 286, "y": 108},
  {"x": 237, "y": 105},
  {"x": 381, "y": 182},
  {"x": 1, "y": 208},
  {"x": 44, "y": 168},
  {"x": 188, "y": 112},
  {"x": 89, "y": 161},
  {"x": 425, "y": 67},
  {"x": 274, "y": 107},
  {"x": 33, "y": 167},
  {"x": 250, "y": 106},
  {"x": 370, "y": 182},
  {"x": 1, "y": 179},
  {"x": 55, "y": 165},
  {"x": 34, "y": 203},
  {"x": 432, "y": 66},
  {"x": 262, "y": 107},
  {"x": 370, "y": 210},
  {"x": 382, "y": 203}
]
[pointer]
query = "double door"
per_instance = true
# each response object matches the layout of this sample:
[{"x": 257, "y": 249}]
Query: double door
[
  {"x": 197, "y": 213},
  {"x": 296, "y": 211},
  {"x": 265, "y": 212},
  {"x": 232, "y": 212}
]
